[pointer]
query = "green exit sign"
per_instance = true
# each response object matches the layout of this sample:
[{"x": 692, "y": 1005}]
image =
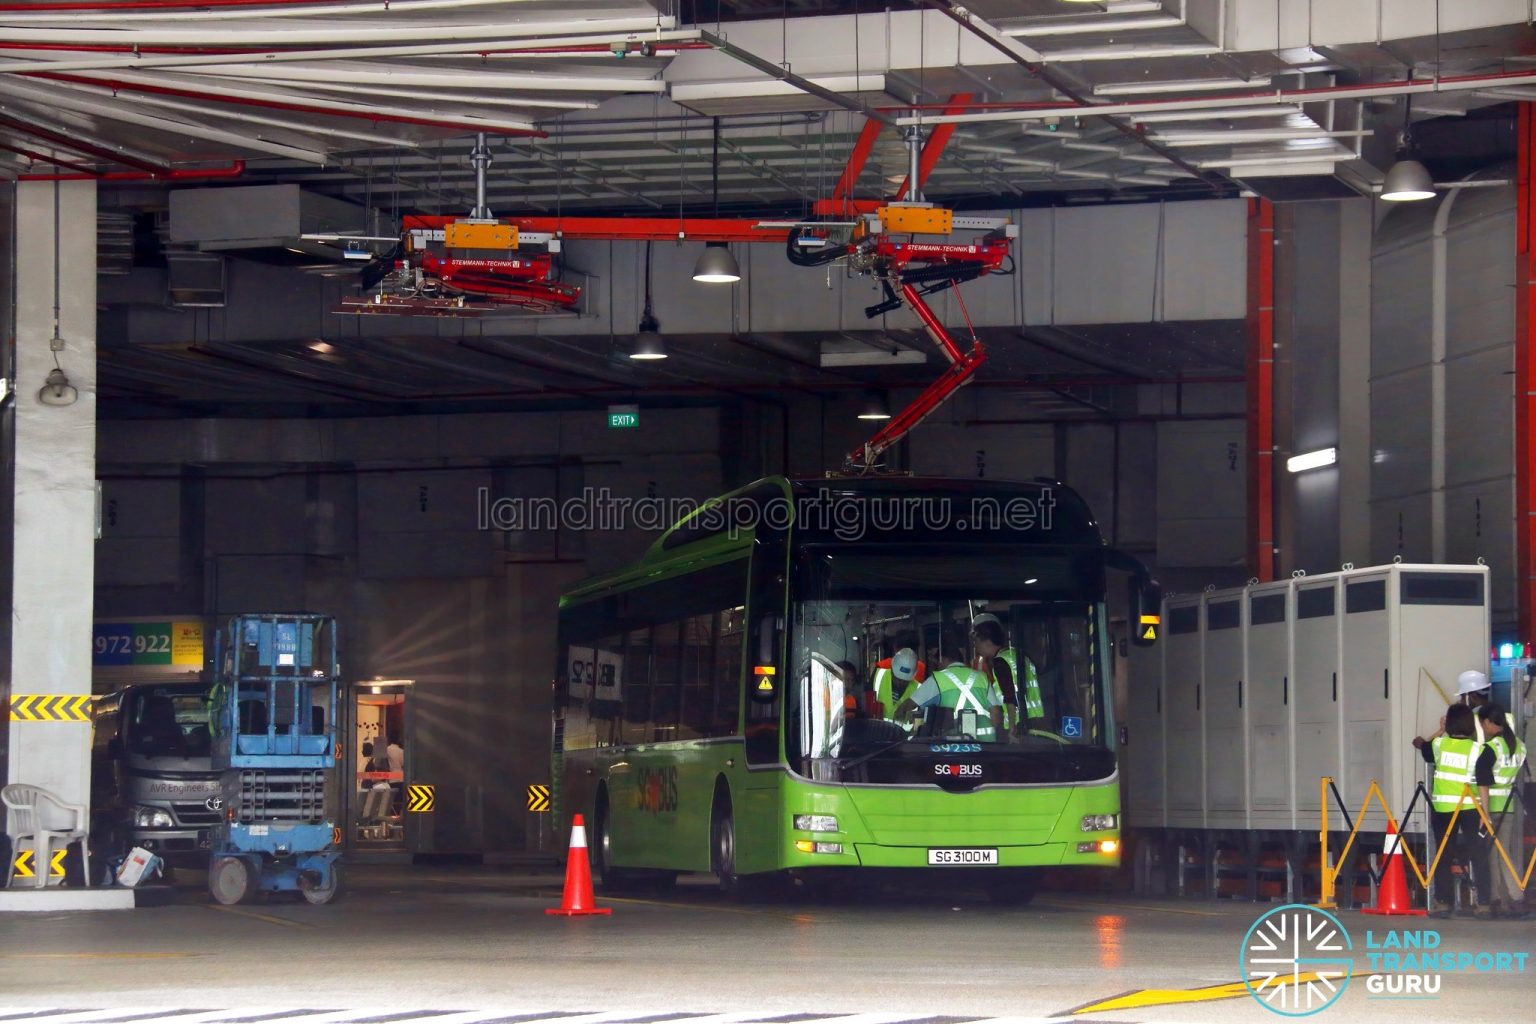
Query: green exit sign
[{"x": 623, "y": 417}]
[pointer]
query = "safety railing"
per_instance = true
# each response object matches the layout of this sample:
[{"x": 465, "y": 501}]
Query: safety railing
[{"x": 1330, "y": 874}]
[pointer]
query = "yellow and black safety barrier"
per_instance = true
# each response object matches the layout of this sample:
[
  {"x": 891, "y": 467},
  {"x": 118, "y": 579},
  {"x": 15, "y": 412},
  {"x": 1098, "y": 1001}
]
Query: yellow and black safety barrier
[
  {"x": 538, "y": 798},
  {"x": 420, "y": 798},
  {"x": 1330, "y": 874},
  {"x": 24, "y": 867},
  {"x": 51, "y": 707}
]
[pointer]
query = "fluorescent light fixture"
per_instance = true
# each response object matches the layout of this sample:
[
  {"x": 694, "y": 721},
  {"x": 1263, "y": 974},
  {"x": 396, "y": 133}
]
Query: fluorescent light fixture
[
  {"x": 1408, "y": 181},
  {"x": 874, "y": 408},
  {"x": 1312, "y": 460}
]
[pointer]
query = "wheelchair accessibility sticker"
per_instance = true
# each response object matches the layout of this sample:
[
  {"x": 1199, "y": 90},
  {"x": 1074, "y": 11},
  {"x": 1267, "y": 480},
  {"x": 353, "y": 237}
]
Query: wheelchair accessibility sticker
[{"x": 1071, "y": 727}]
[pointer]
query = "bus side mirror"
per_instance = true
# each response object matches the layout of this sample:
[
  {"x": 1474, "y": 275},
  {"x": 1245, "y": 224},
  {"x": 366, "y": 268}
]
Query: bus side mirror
[{"x": 1145, "y": 604}]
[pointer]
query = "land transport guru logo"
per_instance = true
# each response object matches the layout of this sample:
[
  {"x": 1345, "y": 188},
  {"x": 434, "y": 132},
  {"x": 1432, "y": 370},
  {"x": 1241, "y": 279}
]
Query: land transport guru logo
[{"x": 1297, "y": 960}]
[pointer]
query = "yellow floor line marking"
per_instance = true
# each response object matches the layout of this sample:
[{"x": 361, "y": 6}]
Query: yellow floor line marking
[
  {"x": 258, "y": 917},
  {"x": 98, "y": 956},
  {"x": 1092, "y": 904},
  {"x": 1142, "y": 998}
]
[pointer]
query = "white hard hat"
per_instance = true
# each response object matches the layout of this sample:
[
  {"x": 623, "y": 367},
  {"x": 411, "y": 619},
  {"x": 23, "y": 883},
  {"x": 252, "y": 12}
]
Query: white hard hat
[
  {"x": 1471, "y": 681},
  {"x": 904, "y": 664},
  {"x": 984, "y": 617}
]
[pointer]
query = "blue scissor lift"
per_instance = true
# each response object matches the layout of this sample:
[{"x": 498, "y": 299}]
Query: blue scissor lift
[{"x": 274, "y": 740}]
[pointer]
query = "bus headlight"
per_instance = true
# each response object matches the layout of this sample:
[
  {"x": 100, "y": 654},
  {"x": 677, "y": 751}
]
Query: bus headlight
[
  {"x": 151, "y": 817},
  {"x": 1100, "y": 822},
  {"x": 1099, "y": 846},
  {"x": 815, "y": 823}
]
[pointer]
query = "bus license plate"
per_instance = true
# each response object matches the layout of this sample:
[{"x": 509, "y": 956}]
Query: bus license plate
[{"x": 961, "y": 858}]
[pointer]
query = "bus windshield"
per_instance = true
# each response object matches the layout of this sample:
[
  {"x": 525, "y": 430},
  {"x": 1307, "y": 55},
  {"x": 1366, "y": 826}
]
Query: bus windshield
[
  {"x": 900, "y": 653},
  {"x": 164, "y": 721}
]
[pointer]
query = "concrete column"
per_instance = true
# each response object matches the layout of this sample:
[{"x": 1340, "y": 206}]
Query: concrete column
[
  {"x": 1356, "y": 228},
  {"x": 55, "y": 479}
]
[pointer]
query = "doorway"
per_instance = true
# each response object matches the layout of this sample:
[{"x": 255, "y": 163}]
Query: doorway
[{"x": 381, "y": 765}]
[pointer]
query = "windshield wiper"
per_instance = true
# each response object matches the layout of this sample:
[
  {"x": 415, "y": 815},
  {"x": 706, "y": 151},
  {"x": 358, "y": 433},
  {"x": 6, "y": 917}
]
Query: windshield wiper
[{"x": 892, "y": 745}]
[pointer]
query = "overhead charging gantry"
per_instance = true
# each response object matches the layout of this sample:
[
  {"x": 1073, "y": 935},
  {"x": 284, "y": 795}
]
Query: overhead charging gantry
[{"x": 470, "y": 266}]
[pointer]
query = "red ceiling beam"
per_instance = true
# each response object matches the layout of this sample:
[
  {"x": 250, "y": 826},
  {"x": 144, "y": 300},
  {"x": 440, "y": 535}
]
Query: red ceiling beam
[
  {"x": 1525, "y": 375},
  {"x": 1261, "y": 390}
]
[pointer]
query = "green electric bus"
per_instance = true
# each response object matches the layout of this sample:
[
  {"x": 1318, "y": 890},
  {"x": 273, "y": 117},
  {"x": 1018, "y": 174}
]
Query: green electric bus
[{"x": 713, "y": 708}]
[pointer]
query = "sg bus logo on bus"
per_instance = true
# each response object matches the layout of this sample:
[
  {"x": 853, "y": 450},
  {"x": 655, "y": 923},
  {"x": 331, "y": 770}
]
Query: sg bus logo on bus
[
  {"x": 959, "y": 771},
  {"x": 656, "y": 790}
]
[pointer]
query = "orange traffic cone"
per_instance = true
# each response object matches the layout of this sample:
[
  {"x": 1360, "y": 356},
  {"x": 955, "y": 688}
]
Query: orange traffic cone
[
  {"x": 1392, "y": 897},
  {"x": 578, "y": 899}
]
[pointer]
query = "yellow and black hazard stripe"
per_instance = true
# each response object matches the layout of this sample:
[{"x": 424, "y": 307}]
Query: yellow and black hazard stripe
[
  {"x": 538, "y": 798},
  {"x": 420, "y": 798},
  {"x": 23, "y": 865},
  {"x": 50, "y": 707}
]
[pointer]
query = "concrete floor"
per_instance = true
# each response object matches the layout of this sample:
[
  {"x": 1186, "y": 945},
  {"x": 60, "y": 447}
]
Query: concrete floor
[{"x": 461, "y": 945}]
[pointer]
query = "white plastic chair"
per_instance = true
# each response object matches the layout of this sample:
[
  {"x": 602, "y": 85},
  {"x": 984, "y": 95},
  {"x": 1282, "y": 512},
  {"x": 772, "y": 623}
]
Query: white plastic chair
[{"x": 31, "y": 818}]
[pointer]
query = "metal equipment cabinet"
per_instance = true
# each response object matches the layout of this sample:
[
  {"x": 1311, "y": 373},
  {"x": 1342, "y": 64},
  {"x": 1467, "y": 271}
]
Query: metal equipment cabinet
[{"x": 1263, "y": 690}]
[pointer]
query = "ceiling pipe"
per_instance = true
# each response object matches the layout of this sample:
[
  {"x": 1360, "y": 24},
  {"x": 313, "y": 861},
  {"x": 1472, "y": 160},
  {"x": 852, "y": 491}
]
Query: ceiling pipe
[
  {"x": 81, "y": 104},
  {"x": 145, "y": 10},
  {"x": 464, "y": 33},
  {"x": 102, "y": 92},
  {"x": 77, "y": 146},
  {"x": 37, "y": 157},
  {"x": 234, "y": 170},
  {"x": 249, "y": 98},
  {"x": 1043, "y": 111},
  {"x": 340, "y": 51}
]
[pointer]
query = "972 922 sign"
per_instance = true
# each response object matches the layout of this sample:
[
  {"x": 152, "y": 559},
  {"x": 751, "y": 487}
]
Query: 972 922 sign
[{"x": 962, "y": 857}]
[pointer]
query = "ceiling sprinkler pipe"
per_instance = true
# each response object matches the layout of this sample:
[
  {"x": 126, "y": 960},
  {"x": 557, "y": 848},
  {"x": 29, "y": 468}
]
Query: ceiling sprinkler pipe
[{"x": 234, "y": 170}]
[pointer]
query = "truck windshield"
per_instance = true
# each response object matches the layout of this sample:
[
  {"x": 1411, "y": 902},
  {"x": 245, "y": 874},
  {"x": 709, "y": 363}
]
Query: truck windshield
[
  {"x": 167, "y": 722},
  {"x": 894, "y": 656}
]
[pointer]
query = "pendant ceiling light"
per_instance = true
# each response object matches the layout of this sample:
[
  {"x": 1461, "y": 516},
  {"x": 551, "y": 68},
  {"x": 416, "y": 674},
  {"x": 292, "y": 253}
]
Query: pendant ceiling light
[
  {"x": 716, "y": 264},
  {"x": 648, "y": 341},
  {"x": 1408, "y": 180}
]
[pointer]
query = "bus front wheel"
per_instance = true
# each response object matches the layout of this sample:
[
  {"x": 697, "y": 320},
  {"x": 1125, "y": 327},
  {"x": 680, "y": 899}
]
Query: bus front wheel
[{"x": 722, "y": 844}]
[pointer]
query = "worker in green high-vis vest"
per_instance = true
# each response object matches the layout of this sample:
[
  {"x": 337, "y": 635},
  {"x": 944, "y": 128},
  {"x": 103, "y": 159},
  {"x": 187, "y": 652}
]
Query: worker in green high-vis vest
[
  {"x": 1502, "y": 800},
  {"x": 1461, "y": 760},
  {"x": 1014, "y": 675},
  {"x": 957, "y": 699}
]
